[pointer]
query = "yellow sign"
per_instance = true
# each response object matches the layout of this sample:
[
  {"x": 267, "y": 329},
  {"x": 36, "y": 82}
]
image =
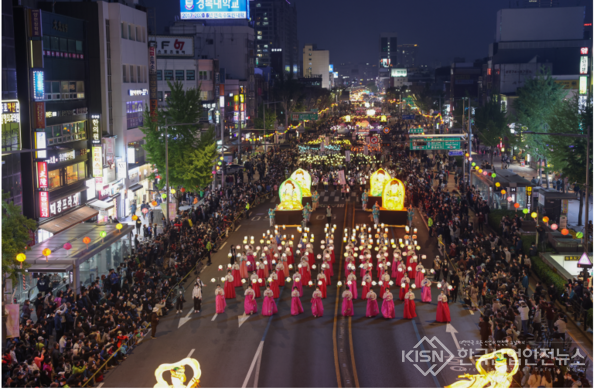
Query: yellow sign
[
  {"x": 378, "y": 180},
  {"x": 497, "y": 378},
  {"x": 529, "y": 189},
  {"x": 572, "y": 257},
  {"x": 177, "y": 371},
  {"x": 97, "y": 162},
  {"x": 304, "y": 180},
  {"x": 393, "y": 195}
]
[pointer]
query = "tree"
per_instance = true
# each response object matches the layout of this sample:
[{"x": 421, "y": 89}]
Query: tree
[
  {"x": 288, "y": 91},
  {"x": 492, "y": 124},
  {"x": 15, "y": 237},
  {"x": 270, "y": 118},
  {"x": 537, "y": 101},
  {"x": 569, "y": 153},
  {"x": 190, "y": 147}
]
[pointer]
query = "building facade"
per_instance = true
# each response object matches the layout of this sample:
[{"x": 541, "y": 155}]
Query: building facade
[
  {"x": 275, "y": 24},
  {"x": 232, "y": 44},
  {"x": 53, "y": 92},
  {"x": 315, "y": 63},
  {"x": 119, "y": 94},
  {"x": 407, "y": 55},
  {"x": 11, "y": 115},
  {"x": 388, "y": 50}
]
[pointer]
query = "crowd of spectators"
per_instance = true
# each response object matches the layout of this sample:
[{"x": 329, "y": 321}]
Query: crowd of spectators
[{"x": 66, "y": 337}]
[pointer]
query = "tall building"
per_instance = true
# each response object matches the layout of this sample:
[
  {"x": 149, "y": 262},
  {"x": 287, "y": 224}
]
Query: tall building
[
  {"x": 117, "y": 36},
  {"x": 316, "y": 64},
  {"x": 407, "y": 55},
  {"x": 11, "y": 116},
  {"x": 232, "y": 44},
  {"x": 388, "y": 50},
  {"x": 275, "y": 24},
  {"x": 529, "y": 39},
  {"x": 53, "y": 89}
]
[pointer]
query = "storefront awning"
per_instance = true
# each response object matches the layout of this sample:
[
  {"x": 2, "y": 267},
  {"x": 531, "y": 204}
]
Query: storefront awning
[
  {"x": 136, "y": 187},
  {"x": 70, "y": 219},
  {"x": 101, "y": 205},
  {"x": 50, "y": 268}
]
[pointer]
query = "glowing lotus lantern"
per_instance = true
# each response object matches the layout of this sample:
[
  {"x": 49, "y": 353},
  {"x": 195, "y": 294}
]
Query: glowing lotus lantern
[{"x": 87, "y": 241}]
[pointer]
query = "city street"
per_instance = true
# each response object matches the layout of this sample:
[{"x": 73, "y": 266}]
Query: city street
[{"x": 234, "y": 350}]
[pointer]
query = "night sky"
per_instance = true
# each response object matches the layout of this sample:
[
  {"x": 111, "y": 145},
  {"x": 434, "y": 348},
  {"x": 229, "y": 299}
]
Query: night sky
[{"x": 350, "y": 29}]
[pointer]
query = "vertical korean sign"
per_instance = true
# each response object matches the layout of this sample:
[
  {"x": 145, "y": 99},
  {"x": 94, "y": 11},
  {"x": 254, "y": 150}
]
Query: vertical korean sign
[
  {"x": 44, "y": 204},
  {"x": 152, "y": 79},
  {"x": 96, "y": 147},
  {"x": 42, "y": 168}
]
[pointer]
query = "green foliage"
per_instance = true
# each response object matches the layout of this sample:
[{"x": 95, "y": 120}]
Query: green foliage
[
  {"x": 15, "y": 236},
  {"x": 270, "y": 118},
  {"x": 547, "y": 275},
  {"x": 492, "y": 124},
  {"x": 190, "y": 148},
  {"x": 536, "y": 103},
  {"x": 428, "y": 99},
  {"x": 569, "y": 154}
]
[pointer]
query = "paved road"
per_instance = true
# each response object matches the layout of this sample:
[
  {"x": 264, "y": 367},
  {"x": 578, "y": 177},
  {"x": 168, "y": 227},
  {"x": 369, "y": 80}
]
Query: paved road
[{"x": 298, "y": 351}]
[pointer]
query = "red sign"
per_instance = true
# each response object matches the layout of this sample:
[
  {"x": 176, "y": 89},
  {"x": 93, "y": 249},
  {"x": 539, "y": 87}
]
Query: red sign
[
  {"x": 44, "y": 204},
  {"x": 40, "y": 115},
  {"x": 584, "y": 51},
  {"x": 42, "y": 174}
]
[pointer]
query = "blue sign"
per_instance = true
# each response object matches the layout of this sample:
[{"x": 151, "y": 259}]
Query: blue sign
[
  {"x": 214, "y": 9},
  {"x": 455, "y": 153},
  {"x": 330, "y": 67},
  {"x": 38, "y": 85},
  {"x": 408, "y": 117}
]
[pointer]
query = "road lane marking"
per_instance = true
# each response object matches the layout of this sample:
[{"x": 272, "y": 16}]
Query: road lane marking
[
  {"x": 223, "y": 245},
  {"x": 100, "y": 385},
  {"x": 190, "y": 353},
  {"x": 325, "y": 199},
  {"x": 184, "y": 320},
  {"x": 336, "y": 199},
  {"x": 214, "y": 317},
  {"x": 258, "y": 351},
  {"x": 238, "y": 227},
  {"x": 242, "y": 319}
]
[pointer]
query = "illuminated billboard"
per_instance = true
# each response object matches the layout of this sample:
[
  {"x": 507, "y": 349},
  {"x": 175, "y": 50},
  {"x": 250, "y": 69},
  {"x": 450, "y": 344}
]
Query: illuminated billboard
[
  {"x": 399, "y": 72},
  {"x": 214, "y": 9}
]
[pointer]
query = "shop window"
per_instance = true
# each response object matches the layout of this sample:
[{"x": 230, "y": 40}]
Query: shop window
[
  {"x": 124, "y": 30},
  {"x": 79, "y": 46},
  {"x": 10, "y": 136},
  {"x": 178, "y": 75},
  {"x": 159, "y": 75},
  {"x": 54, "y": 179},
  {"x": 125, "y": 77},
  {"x": 72, "y": 46},
  {"x": 168, "y": 74},
  {"x": 54, "y": 43},
  {"x": 132, "y": 74},
  {"x": 159, "y": 96},
  {"x": 64, "y": 46},
  {"x": 190, "y": 75}
]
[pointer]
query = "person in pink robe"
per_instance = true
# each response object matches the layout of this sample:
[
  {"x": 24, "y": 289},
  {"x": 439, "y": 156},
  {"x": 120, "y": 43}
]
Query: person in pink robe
[
  {"x": 317, "y": 303},
  {"x": 412, "y": 268},
  {"x": 297, "y": 283},
  {"x": 304, "y": 269},
  {"x": 351, "y": 282},
  {"x": 229, "y": 287},
  {"x": 420, "y": 275},
  {"x": 250, "y": 306},
  {"x": 269, "y": 306},
  {"x": 409, "y": 305},
  {"x": 220, "y": 299},
  {"x": 404, "y": 289},
  {"x": 442, "y": 314},
  {"x": 372, "y": 306},
  {"x": 322, "y": 284},
  {"x": 327, "y": 271},
  {"x": 280, "y": 274},
  {"x": 255, "y": 284},
  {"x": 262, "y": 276},
  {"x": 426, "y": 290},
  {"x": 347, "y": 305},
  {"x": 400, "y": 272},
  {"x": 274, "y": 284},
  {"x": 235, "y": 272},
  {"x": 388, "y": 310},
  {"x": 250, "y": 256},
  {"x": 385, "y": 278},
  {"x": 366, "y": 286},
  {"x": 243, "y": 267},
  {"x": 296, "y": 303}
]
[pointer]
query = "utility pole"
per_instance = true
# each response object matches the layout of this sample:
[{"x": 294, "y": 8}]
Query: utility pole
[
  {"x": 470, "y": 171},
  {"x": 167, "y": 167},
  {"x": 464, "y": 157}
]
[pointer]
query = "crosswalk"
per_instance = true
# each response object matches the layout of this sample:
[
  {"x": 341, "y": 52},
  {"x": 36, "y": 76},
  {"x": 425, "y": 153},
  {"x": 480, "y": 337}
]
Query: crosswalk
[{"x": 329, "y": 197}]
